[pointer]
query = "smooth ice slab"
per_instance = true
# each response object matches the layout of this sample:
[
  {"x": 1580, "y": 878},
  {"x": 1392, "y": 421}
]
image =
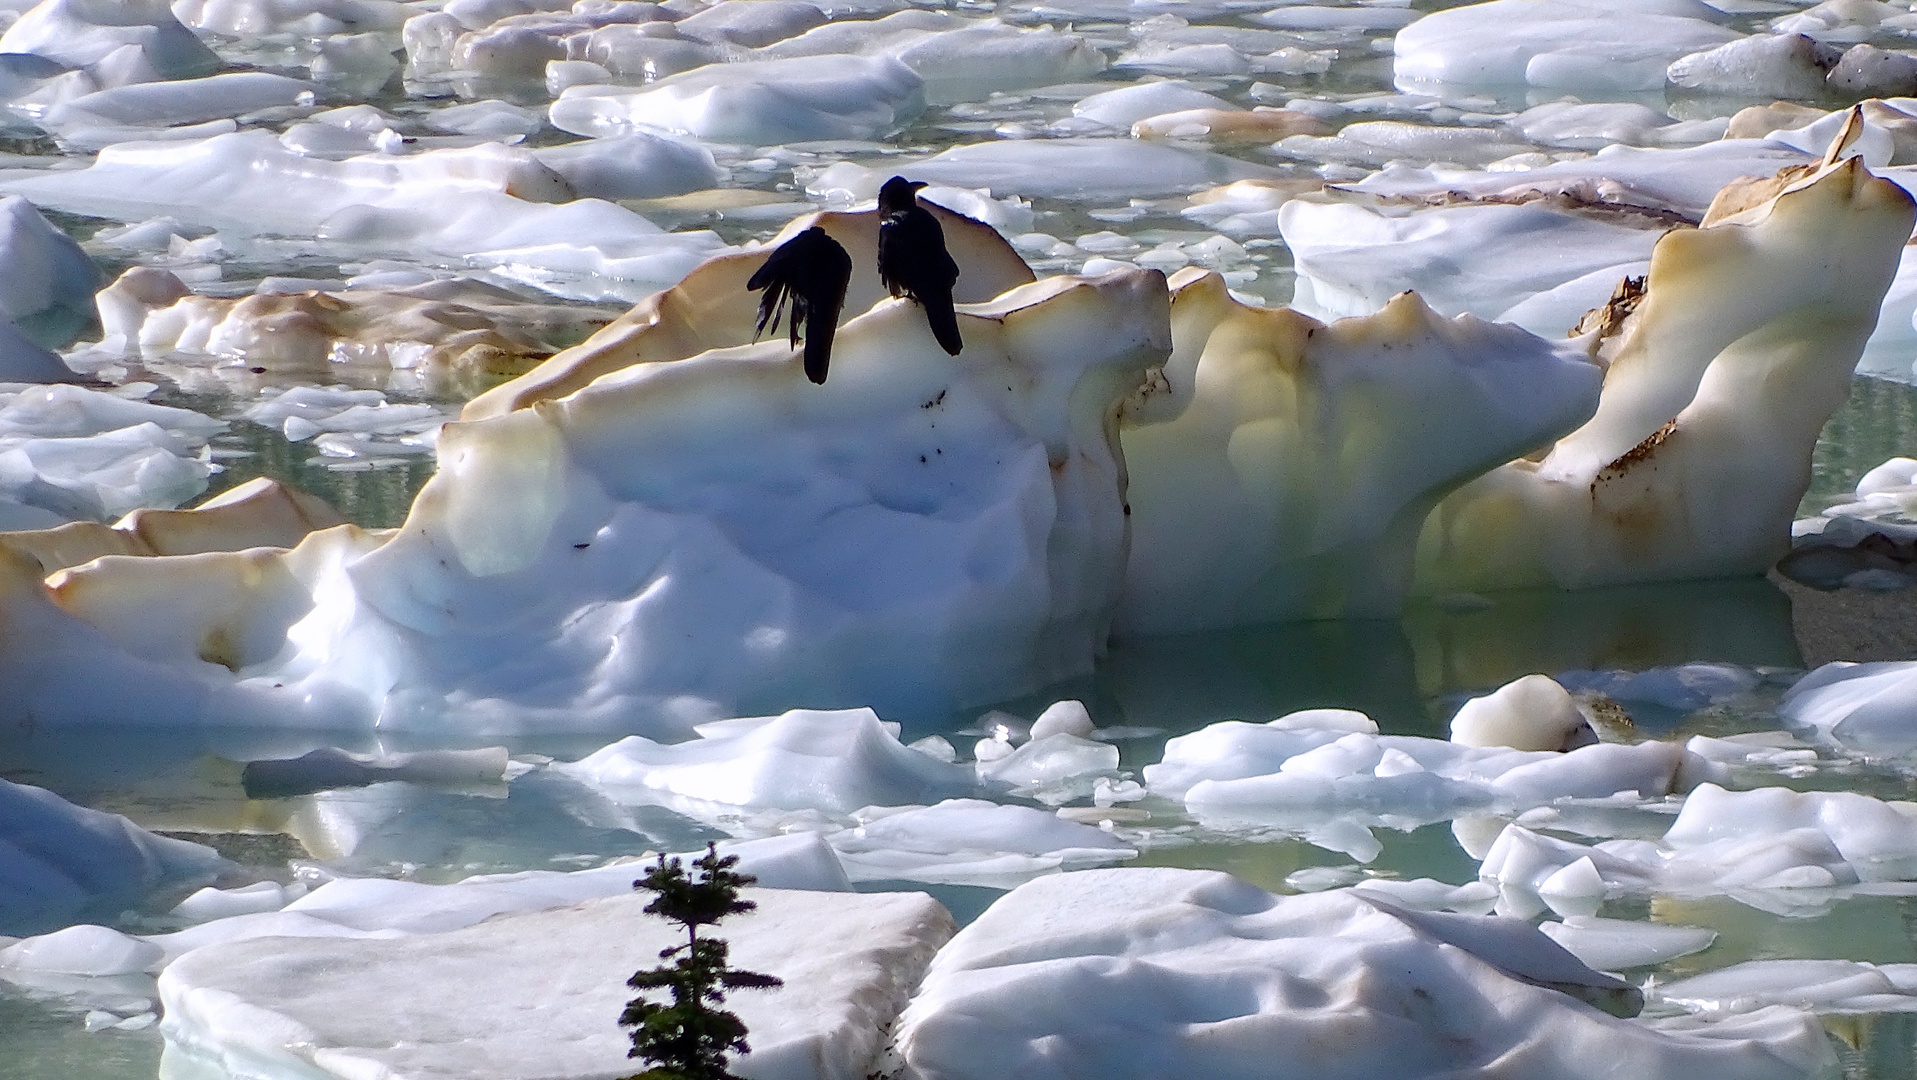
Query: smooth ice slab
[
  {"x": 538, "y": 995},
  {"x": 1110, "y": 974}
]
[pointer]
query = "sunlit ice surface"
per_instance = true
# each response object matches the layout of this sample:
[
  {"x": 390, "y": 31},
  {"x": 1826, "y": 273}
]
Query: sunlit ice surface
[{"x": 1225, "y": 113}]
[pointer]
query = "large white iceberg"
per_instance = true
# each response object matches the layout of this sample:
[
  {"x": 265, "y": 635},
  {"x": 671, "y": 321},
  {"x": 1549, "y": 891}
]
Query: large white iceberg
[{"x": 1561, "y": 44}]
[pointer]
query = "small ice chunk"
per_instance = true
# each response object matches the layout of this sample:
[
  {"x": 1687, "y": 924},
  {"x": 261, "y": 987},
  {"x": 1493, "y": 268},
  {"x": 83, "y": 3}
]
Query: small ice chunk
[
  {"x": 1531, "y": 713},
  {"x": 1066, "y": 717},
  {"x": 1621, "y": 944},
  {"x": 82, "y": 950}
]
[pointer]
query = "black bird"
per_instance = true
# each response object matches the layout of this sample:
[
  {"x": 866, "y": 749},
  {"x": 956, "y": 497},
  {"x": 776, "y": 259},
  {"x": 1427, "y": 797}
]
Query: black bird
[
  {"x": 913, "y": 261},
  {"x": 813, "y": 270}
]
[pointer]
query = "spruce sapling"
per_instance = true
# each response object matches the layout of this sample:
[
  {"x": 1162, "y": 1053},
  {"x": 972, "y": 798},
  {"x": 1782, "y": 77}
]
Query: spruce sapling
[{"x": 690, "y": 1038}]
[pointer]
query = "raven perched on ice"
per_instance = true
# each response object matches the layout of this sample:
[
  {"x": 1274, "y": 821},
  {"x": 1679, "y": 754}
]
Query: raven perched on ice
[
  {"x": 813, "y": 270},
  {"x": 913, "y": 261}
]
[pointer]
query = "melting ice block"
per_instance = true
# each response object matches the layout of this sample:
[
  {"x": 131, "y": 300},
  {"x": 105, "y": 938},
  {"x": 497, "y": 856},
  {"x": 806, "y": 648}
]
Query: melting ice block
[
  {"x": 490, "y": 205},
  {"x": 60, "y": 862},
  {"x": 540, "y": 994},
  {"x": 1757, "y": 846},
  {"x": 676, "y": 542},
  {"x": 85, "y": 454},
  {"x": 835, "y": 762},
  {"x": 1281, "y": 468},
  {"x": 1332, "y": 783},
  {"x": 1531, "y": 713},
  {"x": 1561, "y": 44},
  {"x": 46, "y": 281},
  {"x": 1207, "y": 976},
  {"x": 453, "y": 334},
  {"x": 88, "y": 33},
  {"x": 757, "y": 103},
  {"x": 1870, "y": 708},
  {"x": 1721, "y": 372}
]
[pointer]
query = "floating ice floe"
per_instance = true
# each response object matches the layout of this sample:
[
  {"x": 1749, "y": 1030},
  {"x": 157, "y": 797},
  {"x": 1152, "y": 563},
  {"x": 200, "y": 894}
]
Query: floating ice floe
[
  {"x": 1866, "y": 708},
  {"x": 488, "y": 205},
  {"x": 957, "y": 59},
  {"x": 1003, "y": 579},
  {"x": 181, "y": 108},
  {"x": 1827, "y": 987},
  {"x": 1206, "y": 975},
  {"x": 47, "y": 286},
  {"x": 86, "y": 455},
  {"x": 452, "y": 335},
  {"x": 1331, "y": 784},
  {"x": 834, "y": 762},
  {"x": 1079, "y": 168},
  {"x": 756, "y": 103},
  {"x": 134, "y": 41},
  {"x": 970, "y": 842},
  {"x": 1868, "y": 543},
  {"x": 1621, "y": 944},
  {"x": 61, "y": 863},
  {"x": 1770, "y": 847},
  {"x": 459, "y": 1002},
  {"x": 1558, "y": 44},
  {"x": 258, "y": 513}
]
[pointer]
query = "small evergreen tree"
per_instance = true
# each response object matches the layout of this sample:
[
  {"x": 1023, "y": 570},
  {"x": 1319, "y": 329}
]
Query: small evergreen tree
[{"x": 690, "y": 1038}]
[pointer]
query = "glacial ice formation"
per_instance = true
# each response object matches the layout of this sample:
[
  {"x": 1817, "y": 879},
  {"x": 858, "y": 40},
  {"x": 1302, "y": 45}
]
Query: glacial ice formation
[
  {"x": 970, "y": 842},
  {"x": 543, "y": 991},
  {"x": 61, "y": 863},
  {"x": 1263, "y": 485},
  {"x": 1670, "y": 478},
  {"x": 1206, "y": 975},
  {"x": 972, "y": 552}
]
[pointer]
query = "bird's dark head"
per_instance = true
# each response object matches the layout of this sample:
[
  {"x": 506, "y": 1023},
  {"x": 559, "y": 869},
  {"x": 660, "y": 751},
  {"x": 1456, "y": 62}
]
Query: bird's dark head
[{"x": 899, "y": 194}]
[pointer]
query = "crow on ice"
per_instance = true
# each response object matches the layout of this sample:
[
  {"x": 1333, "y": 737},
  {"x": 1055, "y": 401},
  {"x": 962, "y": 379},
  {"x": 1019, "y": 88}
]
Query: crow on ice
[
  {"x": 812, "y": 270},
  {"x": 913, "y": 261}
]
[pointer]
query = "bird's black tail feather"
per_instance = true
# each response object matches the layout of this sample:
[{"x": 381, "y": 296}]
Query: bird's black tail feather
[
  {"x": 944, "y": 322},
  {"x": 818, "y": 347}
]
